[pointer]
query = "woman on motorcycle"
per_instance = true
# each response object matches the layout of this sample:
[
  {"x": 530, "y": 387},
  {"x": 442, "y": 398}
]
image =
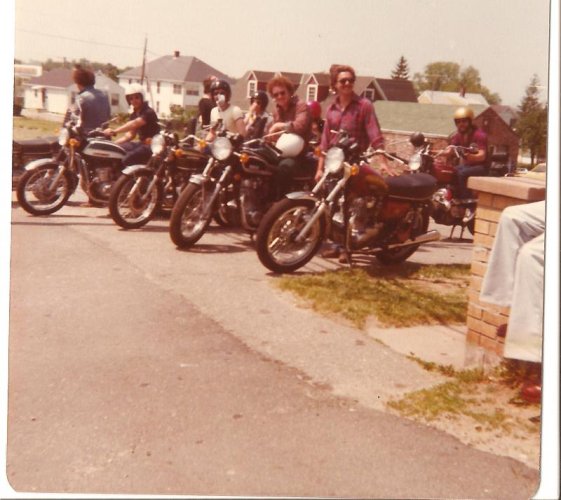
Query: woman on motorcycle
[{"x": 143, "y": 122}]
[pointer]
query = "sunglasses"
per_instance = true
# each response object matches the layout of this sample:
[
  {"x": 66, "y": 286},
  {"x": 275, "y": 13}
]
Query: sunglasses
[
  {"x": 344, "y": 81},
  {"x": 278, "y": 94},
  {"x": 462, "y": 120}
]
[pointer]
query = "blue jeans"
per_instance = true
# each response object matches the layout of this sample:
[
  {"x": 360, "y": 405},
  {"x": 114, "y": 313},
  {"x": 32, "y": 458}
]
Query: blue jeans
[
  {"x": 137, "y": 153},
  {"x": 464, "y": 172}
]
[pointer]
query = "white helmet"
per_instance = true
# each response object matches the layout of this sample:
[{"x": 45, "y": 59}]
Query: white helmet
[
  {"x": 134, "y": 88},
  {"x": 291, "y": 145}
]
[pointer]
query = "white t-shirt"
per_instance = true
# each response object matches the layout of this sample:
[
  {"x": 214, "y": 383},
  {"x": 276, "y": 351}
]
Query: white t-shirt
[{"x": 229, "y": 117}]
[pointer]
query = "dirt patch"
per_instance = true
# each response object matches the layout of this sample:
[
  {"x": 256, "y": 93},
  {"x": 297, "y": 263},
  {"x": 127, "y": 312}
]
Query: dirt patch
[{"x": 488, "y": 415}]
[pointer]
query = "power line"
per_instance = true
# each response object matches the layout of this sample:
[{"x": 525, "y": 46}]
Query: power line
[{"x": 78, "y": 40}]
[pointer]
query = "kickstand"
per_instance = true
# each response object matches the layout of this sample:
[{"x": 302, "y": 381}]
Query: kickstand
[
  {"x": 462, "y": 232},
  {"x": 452, "y": 232}
]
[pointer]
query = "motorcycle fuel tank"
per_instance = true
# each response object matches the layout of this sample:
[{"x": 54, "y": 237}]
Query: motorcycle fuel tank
[{"x": 104, "y": 149}]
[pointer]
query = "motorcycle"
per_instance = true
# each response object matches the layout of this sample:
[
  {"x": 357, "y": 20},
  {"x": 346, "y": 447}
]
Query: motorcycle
[
  {"x": 447, "y": 208},
  {"x": 236, "y": 188},
  {"x": 93, "y": 162},
  {"x": 351, "y": 205},
  {"x": 143, "y": 190}
]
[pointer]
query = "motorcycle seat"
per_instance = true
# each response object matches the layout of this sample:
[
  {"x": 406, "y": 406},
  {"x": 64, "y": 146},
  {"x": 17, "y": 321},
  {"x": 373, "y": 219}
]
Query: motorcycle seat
[{"x": 416, "y": 186}]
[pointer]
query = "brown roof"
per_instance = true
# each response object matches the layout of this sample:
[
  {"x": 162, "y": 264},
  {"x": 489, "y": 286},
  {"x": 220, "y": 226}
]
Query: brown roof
[
  {"x": 397, "y": 90},
  {"x": 60, "y": 77},
  {"x": 263, "y": 75},
  {"x": 176, "y": 69}
]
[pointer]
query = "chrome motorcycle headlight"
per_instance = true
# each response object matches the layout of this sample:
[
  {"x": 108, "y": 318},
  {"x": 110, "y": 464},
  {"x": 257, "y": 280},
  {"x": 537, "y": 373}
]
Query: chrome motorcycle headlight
[
  {"x": 157, "y": 144},
  {"x": 63, "y": 136},
  {"x": 221, "y": 148},
  {"x": 415, "y": 162},
  {"x": 333, "y": 160}
]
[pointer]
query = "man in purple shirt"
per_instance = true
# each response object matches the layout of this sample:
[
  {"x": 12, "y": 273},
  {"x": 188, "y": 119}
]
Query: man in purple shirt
[
  {"x": 473, "y": 164},
  {"x": 351, "y": 113}
]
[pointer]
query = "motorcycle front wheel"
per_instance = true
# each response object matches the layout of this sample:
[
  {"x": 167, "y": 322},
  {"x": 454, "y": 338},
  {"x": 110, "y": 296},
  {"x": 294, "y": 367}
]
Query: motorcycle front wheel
[
  {"x": 399, "y": 255},
  {"x": 276, "y": 243},
  {"x": 130, "y": 204},
  {"x": 37, "y": 194},
  {"x": 188, "y": 221}
]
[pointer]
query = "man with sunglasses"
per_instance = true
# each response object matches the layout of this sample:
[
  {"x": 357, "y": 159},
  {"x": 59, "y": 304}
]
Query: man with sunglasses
[
  {"x": 143, "y": 122},
  {"x": 291, "y": 115},
  {"x": 473, "y": 164},
  {"x": 231, "y": 116},
  {"x": 352, "y": 113}
]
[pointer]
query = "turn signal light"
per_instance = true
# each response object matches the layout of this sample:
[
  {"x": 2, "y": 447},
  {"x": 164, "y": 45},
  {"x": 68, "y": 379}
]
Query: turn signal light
[
  {"x": 74, "y": 142},
  {"x": 244, "y": 158},
  {"x": 237, "y": 177},
  {"x": 179, "y": 153},
  {"x": 354, "y": 169},
  {"x": 317, "y": 152},
  {"x": 202, "y": 144}
]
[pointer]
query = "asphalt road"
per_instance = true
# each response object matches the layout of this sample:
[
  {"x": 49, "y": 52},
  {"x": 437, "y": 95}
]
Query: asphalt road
[{"x": 138, "y": 368}]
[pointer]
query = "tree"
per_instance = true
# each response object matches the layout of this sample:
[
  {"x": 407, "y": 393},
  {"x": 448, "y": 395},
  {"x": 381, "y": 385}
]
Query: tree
[
  {"x": 532, "y": 122},
  {"x": 401, "y": 71},
  {"x": 449, "y": 77}
]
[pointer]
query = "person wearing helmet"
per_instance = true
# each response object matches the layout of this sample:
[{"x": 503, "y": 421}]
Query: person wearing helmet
[
  {"x": 291, "y": 116},
  {"x": 92, "y": 105},
  {"x": 257, "y": 119},
  {"x": 143, "y": 122},
  {"x": 230, "y": 116},
  {"x": 473, "y": 164}
]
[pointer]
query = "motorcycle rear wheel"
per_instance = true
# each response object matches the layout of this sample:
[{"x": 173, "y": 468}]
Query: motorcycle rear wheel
[
  {"x": 275, "y": 241},
  {"x": 33, "y": 191},
  {"x": 399, "y": 255},
  {"x": 187, "y": 223},
  {"x": 130, "y": 211}
]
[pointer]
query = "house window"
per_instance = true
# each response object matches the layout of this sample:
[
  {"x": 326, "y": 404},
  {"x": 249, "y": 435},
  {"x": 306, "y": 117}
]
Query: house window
[
  {"x": 35, "y": 92},
  {"x": 157, "y": 106},
  {"x": 312, "y": 93},
  {"x": 176, "y": 89},
  {"x": 251, "y": 88},
  {"x": 72, "y": 97},
  {"x": 130, "y": 81},
  {"x": 192, "y": 92},
  {"x": 157, "y": 87},
  {"x": 369, "y": 94},
  {"x": 114, "y": 99}
]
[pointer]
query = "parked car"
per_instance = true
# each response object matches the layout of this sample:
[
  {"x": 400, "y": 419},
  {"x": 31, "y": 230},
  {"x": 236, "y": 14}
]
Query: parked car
[
  {"x": 24, "y": 151},
  {"x": 538, "y": 172}
]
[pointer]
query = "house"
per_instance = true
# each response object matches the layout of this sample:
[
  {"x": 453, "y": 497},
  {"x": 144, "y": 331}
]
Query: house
[
  {"x": 452, "y": 98},
  {"x": 172, "y": 80},
  {"x": 507, "y": 113},
  {"x": 55, "y": 91},
  {"x": 399, "y": 120}
]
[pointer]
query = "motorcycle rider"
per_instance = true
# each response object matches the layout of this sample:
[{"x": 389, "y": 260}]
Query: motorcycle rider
[
  {"x": 92, "y": 105},
  {"x": 352, "y": 113},
  {"x": 291, "y": 115},
  {"x": 230, "y": 115},
  {"x": 356, "y": 115},
  {"x": 143, "y": 122},
  {"x": 257, "y": 120},
  {"x": 473, "y": 164}
]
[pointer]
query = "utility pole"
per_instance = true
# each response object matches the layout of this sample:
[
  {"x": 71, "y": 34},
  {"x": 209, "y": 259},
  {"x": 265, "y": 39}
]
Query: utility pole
[{"x": 143, "y": 60}]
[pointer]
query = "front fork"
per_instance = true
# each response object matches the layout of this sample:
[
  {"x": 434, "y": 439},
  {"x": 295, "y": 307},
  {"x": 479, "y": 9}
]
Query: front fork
[
  {"x": 207, "y": 207},
  {"x": 62, "y": 169}
]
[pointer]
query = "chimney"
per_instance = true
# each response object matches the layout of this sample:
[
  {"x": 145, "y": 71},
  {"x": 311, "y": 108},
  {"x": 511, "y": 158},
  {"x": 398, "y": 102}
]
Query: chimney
[{"x": 176, "y": 54}]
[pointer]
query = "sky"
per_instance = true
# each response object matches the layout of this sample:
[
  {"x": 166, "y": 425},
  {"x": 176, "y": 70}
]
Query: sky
[{"x": 506, "y": 40}]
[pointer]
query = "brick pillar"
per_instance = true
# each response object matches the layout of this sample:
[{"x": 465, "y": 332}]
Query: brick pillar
[{"x": 494, "y": 195}]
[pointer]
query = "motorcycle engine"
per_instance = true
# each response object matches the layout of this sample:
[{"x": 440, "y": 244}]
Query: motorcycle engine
[
  {"x": 363, "y": 221},
  {"x": 253, "y": 194}
]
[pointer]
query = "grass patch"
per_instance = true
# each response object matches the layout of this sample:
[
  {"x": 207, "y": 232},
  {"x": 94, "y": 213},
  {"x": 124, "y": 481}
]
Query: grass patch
[
  {"x": 32, "y": 128},
  {"x": 405, "y": 295}
]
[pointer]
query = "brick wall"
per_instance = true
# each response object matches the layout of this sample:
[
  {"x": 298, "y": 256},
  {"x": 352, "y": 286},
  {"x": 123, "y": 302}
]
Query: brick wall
[
  {"x": 495, "y": 194},
  {"x": 500, "y": 136},
  {"x": 403, "y": 148}
]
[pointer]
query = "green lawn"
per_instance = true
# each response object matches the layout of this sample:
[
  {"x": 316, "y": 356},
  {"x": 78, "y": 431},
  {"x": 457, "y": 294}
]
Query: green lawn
[{"x": 31, "y": 128}]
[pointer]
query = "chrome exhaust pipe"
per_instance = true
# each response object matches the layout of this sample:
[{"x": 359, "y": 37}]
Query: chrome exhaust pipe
[{"x": 429, "y": 236}]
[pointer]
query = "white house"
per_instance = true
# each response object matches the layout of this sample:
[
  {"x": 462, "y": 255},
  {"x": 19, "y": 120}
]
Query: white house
[
  {"x": 55, "y": 91},
  {"x": 172, "y": 80},
  {"x": 452, "y": 98}
]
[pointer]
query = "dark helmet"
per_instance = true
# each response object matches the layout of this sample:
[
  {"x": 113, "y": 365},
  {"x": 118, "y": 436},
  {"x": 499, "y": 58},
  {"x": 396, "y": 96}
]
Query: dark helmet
[
  {"x": 315, "y": 110},
  {"x": 262, "y": 97},
  {"x": 221, "y": 85}
]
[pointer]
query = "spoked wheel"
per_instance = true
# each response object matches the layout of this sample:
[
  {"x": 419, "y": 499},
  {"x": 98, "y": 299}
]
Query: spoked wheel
[
  {"x": 39, "y": 194},
  {"x": 276, "y": 243},
  {"x": 131, "y": 205},
  {"x": 399, "y": 255},
  {"x": 190, "y": 216}
]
